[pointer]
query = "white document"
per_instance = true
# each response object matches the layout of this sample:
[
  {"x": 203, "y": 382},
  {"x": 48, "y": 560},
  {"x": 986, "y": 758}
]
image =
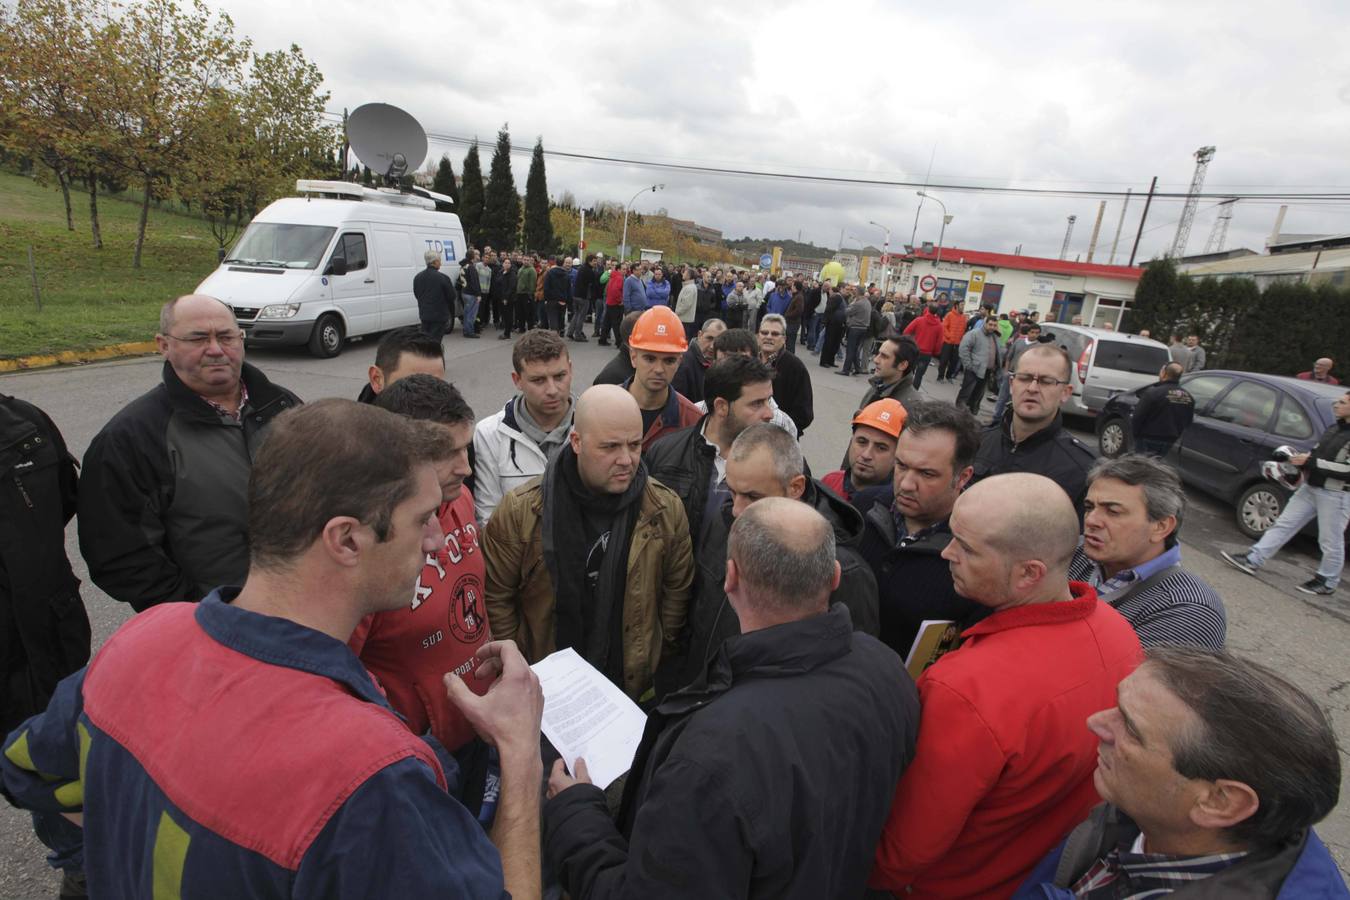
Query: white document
[{"x": 586, "y": 716}]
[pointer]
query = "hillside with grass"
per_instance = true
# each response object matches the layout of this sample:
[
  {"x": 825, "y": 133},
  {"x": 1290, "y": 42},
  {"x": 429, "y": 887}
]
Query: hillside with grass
[{"x": 90, "y": 298}]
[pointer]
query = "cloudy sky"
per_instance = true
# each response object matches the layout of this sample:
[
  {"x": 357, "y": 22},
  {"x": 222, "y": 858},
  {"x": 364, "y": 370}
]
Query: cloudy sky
[{"x": 1098, "y": 96}]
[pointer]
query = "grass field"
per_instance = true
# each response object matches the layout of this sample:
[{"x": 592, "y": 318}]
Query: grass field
[{"x": 89, "y": 297}]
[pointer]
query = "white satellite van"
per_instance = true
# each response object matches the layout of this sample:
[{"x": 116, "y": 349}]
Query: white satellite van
[{"x": 336, "y": 262}]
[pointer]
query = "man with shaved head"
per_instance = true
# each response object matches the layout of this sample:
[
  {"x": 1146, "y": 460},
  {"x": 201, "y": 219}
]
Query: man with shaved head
[
  {"x": 769, "y": 776},
  {"x": 1004, "y": 765},
  {"x": 593, "y": 555},
  {"x": 163, "y": 496}
]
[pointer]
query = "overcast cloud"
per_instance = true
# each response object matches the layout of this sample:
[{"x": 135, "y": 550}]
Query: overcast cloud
[{"x": 1102, "y": 95}]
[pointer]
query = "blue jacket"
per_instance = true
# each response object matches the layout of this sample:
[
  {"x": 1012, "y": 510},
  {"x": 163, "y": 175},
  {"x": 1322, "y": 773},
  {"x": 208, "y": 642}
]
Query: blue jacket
[
  {"x": 279, "y": 769},
  {"x": 634, "y": 294},
  {"x": 658, "y": 293},
  {"x": 1300, "y": 870},
  {"x": 778, "y": 301}
]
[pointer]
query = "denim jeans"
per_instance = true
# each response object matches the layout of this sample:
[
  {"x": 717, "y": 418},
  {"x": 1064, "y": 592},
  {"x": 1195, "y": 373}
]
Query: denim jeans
[
  {"x": 856, "y": 334},
  {"x": 813, "y": 332},
  {"x": 1332, "y": 510},
  {"x": 1004, "y": 395},
  {"x": 64, "y": 838},
  {"x": 470, "y": 314}
]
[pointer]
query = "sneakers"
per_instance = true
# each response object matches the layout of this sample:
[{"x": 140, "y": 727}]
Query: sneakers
[
  {"x": 1239, "y": 562},
  {"x": 1316, "y": 585}
]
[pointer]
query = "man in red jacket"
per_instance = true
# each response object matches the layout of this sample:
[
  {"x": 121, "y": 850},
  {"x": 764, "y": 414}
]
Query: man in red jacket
[
  {"x": 953, "y": 330},
  {"x": 438, "y": 631},
  {"x": 1004, "y": 766},
  {"x": 927, "y": 333}
]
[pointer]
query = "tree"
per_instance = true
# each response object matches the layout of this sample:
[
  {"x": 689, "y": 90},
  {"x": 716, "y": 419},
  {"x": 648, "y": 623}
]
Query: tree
[
  {"x": 537, "y": 234},
  {"x": 501, "y": 203},
  {"x": 471, "y": 199},
  {"x": 445, "y": 180},
  {"x": 51, "y": 100},
  {"x": 162, "y": 65},
  {"x": 1158, "y": 302}
]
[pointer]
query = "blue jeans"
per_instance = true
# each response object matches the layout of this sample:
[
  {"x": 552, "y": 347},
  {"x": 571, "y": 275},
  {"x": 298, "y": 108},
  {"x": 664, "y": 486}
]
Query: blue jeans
[
  {"x": 1332, "y": 510},
  {"x": 813, "y": 332},
  {"x": 1004, "y": 395},
  {"x": 853, "y": 348},
  {"x": 62, "y": 837},
  {"x": 470, "y": 314}
]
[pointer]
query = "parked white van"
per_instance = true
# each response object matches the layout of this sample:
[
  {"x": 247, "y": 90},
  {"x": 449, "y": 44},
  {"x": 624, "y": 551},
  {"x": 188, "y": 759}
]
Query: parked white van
[{"x": 334, "y": 263}]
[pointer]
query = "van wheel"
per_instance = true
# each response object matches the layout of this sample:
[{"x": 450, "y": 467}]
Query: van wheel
[
  {"x": 326, "y": 340},
  {"x": 1111, "y": 441},
  {"x": 1258, "y": 508}
]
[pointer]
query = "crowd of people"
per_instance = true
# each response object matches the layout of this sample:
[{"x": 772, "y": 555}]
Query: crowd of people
[{"x": 326, "y": 688}]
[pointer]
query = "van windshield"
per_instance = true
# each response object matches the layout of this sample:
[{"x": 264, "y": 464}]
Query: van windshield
[
  {"x": 282, "y": 246},
  {"x": 1127, "y": 356}
]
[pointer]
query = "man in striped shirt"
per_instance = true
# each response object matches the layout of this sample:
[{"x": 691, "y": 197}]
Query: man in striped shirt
[
  {"x": 1131, "y": 555},
  {"x": 1199, "y": 803}
]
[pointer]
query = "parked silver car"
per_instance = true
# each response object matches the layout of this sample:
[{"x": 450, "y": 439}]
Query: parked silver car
[{"x": 1106, "y": 363}]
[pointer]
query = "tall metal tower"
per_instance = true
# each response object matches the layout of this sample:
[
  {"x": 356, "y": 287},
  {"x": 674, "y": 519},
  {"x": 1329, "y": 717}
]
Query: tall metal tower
[
  {"x": 1219, "y": 233},
  {"x": 1202, "y": 158},
  {"x": 1068, "y": 233}
]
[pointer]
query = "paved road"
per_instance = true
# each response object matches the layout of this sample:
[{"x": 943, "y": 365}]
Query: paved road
[{"x": 1302, "y": 636}]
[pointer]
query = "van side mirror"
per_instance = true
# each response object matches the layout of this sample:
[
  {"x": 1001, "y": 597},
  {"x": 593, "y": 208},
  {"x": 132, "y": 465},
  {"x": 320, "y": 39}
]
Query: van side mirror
[{"x": 338, "y": 266}]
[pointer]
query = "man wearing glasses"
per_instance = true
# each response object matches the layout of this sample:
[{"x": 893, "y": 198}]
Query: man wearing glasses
[
  {"x": 163, "y": 494},
  {"x": 1030, "y": 437},
  {"x": 791, "y": 381}
]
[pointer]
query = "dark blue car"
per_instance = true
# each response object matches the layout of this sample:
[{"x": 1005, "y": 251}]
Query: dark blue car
[{"x": 1240, "y": 418}]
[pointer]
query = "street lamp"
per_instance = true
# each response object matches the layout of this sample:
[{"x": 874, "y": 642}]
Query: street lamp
[
  {"x": 623, "y": 252},
  {"x": 946, "y": 220},
  {"x": 885, "y": 254}
]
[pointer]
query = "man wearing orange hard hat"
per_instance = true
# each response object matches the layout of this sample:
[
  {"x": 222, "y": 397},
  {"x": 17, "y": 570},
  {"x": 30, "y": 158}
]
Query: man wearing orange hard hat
[
  {"x": 656, "y": 347},
  {"x": 871, "y": 452}
]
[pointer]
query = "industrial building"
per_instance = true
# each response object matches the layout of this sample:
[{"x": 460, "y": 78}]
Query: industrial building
[{"x": 1058, "y": 289}]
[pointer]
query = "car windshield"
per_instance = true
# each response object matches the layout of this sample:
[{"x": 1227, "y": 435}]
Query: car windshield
[{"x": 277, "y": 245}]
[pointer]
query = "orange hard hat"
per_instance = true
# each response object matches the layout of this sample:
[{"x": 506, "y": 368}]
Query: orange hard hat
[
  {"x": 659, "y": 330},
  {"x": 884, "y": 415}
]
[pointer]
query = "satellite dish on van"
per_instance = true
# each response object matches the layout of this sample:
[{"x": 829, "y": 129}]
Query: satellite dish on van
[{"x": 387, "y": 139}]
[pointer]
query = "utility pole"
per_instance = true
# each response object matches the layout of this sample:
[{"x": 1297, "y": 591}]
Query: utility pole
[
  {"x": 1119, "y": 225},
  {"x": 1096, "y": 230},
  {"x": 1068, "y": 235},
  {"x": 1148, "y": 201}
]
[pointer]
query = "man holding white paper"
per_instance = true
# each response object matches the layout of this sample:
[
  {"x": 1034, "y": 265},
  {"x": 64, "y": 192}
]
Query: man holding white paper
[{"x": 780, "y": 787}]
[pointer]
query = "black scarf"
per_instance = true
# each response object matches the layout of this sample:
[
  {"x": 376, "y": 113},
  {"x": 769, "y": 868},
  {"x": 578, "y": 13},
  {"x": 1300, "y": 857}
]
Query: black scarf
[{"x": 591, "y": 625}]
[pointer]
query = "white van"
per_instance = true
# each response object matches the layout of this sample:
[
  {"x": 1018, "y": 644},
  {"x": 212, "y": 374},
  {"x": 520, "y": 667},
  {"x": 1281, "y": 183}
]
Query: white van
[
  {"x": 1105, "y": 363},
  {"x": 336, "y": 263}
]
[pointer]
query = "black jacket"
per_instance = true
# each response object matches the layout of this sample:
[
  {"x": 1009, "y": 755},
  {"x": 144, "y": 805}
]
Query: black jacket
[
  {"x": 469, "y": 272},
  {"x": 164, "y": 492},
  {"x": 792, "y": 390},
  {"x": 914, "y": 582},
  {"x": 1328, "y": 464},
  {"x": 684, "y": 462},
  {"x": 435, "y": 295},
  {"x": 44, "y": 631},
  {"x": 711, "y": 618},
  {"x": 902, "y": 391},
  {"x": 618, "y": 370},
  {"x": 557, "y": 286},
  {"x": 503, "y": 283},
  {"x": 1165, "y": 409},
  {"x": 836, "y": 310},
  {"x": 771, "y": 777},
  {"x": 811, "y": 303},
  {"x": 1051, "y": 452},
  {"x": 688, "y": 378}
]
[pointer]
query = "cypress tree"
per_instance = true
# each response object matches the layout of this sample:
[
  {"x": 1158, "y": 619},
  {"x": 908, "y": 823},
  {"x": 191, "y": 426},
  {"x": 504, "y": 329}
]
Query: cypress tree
[
  {"x": 501, "y": 203},
  {"x": 445, "y": 180},
  {"x": 538, "y": 231},
  {"x": 471, "y": 196}
]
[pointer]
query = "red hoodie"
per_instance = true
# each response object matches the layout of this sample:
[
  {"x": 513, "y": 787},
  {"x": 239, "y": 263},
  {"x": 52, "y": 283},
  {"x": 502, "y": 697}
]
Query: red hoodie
[
  {"x": 410, "y": 649},
  {"x": 927, "y": 333}
]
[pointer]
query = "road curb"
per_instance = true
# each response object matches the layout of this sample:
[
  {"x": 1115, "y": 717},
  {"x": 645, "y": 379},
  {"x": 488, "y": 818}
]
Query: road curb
[{"x": 69, "y": 357}]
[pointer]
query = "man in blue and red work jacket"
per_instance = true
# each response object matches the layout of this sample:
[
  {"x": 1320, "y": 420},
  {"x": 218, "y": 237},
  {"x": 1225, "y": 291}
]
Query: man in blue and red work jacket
[{"x": 235, "y": 747}]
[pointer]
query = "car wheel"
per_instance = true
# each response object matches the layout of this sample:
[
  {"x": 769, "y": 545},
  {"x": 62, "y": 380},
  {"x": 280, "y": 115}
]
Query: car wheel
[
  {"x": 1258, "y": 508},
  {"x": 326, "y": 340},
  {"x": 1111, "y": 440}
]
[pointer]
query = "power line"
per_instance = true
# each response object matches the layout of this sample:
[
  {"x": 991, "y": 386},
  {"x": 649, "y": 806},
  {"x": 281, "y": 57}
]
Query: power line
[{"x": 953, "y": 187}]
